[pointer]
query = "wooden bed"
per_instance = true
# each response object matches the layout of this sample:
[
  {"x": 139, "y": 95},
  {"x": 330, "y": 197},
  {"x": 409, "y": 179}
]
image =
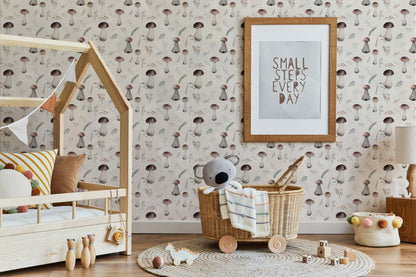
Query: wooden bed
[{"x": 45, "y": 242}]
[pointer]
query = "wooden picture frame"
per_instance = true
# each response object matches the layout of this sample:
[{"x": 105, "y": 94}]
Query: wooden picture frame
[{"x": 290, "y": 79}]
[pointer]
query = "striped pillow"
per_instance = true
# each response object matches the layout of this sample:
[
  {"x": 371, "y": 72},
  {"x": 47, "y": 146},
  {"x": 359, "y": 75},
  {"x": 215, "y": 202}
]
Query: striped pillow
[{"x": 39, "y": 163}]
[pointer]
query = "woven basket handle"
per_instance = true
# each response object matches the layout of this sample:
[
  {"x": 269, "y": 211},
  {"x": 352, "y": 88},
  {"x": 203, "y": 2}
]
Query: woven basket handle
[{"x": 291, "y": 170}]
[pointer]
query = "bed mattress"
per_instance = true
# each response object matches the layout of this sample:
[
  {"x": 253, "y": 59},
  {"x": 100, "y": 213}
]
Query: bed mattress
[{"x": 53, "y": 214}]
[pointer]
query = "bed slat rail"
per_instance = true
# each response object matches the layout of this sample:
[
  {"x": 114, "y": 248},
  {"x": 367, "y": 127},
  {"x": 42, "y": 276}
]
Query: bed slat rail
[
  {"x": 27, "y": 102},
  {"x": 11, "y": 40},
  {"x": 91, "y": 186},
  {"x": 57, "y": 225},
  {"x": 62, "y": 197}
]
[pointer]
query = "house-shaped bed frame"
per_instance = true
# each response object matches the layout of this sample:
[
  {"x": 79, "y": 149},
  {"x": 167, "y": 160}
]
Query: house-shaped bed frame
[{"x": 43, "y": 243}]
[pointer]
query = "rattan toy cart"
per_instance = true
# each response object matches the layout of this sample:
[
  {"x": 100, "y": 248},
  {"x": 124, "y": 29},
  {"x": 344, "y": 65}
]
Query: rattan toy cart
[{"x": 285, "y": 204}]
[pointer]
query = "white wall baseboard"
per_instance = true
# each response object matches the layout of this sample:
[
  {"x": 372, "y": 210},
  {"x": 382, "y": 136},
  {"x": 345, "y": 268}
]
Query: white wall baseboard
[{"x": 305, "y": 227}]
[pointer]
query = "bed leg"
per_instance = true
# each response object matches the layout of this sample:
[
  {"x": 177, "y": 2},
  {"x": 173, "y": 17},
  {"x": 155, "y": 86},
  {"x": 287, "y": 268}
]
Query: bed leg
[{"x": 128, "y": 245}]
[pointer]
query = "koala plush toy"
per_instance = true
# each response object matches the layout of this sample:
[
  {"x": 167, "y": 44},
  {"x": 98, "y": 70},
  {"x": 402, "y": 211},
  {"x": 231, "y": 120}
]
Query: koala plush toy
[{"x": 219, "y": 173}]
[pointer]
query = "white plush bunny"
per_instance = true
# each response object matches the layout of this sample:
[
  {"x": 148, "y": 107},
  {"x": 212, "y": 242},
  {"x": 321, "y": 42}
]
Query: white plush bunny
[{"x": 219, "y": 173}]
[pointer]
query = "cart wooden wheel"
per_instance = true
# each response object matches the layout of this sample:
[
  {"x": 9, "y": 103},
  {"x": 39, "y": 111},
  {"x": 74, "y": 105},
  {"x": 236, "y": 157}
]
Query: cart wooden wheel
[
  {"x": 176, "y": 262},
  {"x": 189, "y": 261},
  {"x": 277, "y": 244},
  {"x": 227, "y": 244}
]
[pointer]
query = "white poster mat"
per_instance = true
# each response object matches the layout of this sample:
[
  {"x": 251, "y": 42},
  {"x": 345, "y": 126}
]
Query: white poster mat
[{"x": 282, "y": 33}]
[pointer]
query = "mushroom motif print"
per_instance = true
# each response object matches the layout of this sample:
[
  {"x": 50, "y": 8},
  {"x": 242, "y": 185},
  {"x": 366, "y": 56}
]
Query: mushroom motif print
[
  {"x": 341, "y": 35},
  {"x": 55, "y": 26},
  {"x": 55, "y": 74},
  {"x": 8, "y": 73},
  {"x": 103, "y": 176},
  {"x": 103, "y": 33},
  {"x": 388, "y": 82},
  {"x": 388, "y": 35},
  {"x": 198, "y": 31},
  {"x": 150, "y": 33},
  {"x": 366, "y": 47},
  {"x": 366, "y": 189},
  {"x": 340, "y": 82},
  {"x": 341, "y": 177}
]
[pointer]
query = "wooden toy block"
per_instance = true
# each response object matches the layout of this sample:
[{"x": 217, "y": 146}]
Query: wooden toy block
[
  {"x": 306, "y": 259},
  {"x": 323, "y": 243},
  {"x": 344, "y": 260},
  {"x": 324, "y": 252},
  {"x": 334, "y": 261},
  {"x": 350, "y": 254}
]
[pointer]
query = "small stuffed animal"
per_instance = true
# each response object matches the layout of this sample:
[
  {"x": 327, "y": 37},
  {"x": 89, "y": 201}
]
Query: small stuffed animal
[{"x": 219, "y": 173}]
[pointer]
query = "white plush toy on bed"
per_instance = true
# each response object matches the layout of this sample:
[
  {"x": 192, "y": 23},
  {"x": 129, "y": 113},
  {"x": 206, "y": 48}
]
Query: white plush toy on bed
[{"x": 219, "y": 173}]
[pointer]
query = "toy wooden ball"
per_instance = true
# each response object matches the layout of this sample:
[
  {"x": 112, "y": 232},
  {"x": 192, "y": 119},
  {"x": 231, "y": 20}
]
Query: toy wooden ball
[
  {"x": 158, "y": 262},
  {"x": 355, "y": 220},
  {"x": 367, "y": 222},
  {"x": 9, "y": 166},
  {"x": 28, "y": 174},
  {"x": 20, "y": 168}
]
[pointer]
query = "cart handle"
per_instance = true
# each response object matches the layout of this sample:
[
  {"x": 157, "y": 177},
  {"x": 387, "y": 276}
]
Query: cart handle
[{"x": 291, "y": 170}]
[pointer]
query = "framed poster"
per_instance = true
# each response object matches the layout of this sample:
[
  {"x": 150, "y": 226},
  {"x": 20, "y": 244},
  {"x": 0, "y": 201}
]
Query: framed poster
[{"x": 289, "y": 79}]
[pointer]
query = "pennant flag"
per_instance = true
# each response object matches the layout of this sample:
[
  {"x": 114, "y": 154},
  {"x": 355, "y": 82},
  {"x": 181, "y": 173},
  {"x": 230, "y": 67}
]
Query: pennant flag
[
  {"x": 71, "y": 77},
  {"x": 49, "y": 105},
  {"x": 19, "y": 128}
]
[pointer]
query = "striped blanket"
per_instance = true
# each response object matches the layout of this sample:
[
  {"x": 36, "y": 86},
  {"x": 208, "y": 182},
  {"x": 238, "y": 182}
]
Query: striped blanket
[{"x": 247, "y": 210}]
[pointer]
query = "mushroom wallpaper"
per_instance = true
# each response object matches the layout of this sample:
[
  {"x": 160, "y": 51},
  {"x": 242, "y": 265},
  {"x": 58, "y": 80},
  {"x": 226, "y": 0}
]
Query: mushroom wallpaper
[{"x": 180, "y": 64}]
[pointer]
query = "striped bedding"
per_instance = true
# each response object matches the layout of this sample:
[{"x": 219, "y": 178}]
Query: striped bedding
[{"x": 247, "y": 209}]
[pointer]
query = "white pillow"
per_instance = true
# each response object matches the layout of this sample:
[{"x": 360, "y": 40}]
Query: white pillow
[{"x": 14, "y": 184}]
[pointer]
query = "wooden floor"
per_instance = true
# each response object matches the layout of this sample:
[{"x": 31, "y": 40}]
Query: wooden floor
[{"x": 392, "y": 261}]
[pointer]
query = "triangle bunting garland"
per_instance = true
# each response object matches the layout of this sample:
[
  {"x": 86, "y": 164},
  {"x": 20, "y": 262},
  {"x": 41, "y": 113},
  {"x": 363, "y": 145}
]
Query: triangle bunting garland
[
  {"x": 71, "y": 77},
  {"x": 19, "y": 127},
  {"x": 49, "y": 105}
]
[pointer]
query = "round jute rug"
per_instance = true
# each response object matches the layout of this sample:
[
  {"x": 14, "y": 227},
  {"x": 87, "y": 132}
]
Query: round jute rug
[{"x": 254, "y": 259}]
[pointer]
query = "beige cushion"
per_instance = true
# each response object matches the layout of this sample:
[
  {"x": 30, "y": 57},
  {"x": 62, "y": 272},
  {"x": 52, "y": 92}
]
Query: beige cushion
[
  {"x": 65, "y": 175},
  {"x": 14, "y": 184},
  {"x": 39, "y": 163}
]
